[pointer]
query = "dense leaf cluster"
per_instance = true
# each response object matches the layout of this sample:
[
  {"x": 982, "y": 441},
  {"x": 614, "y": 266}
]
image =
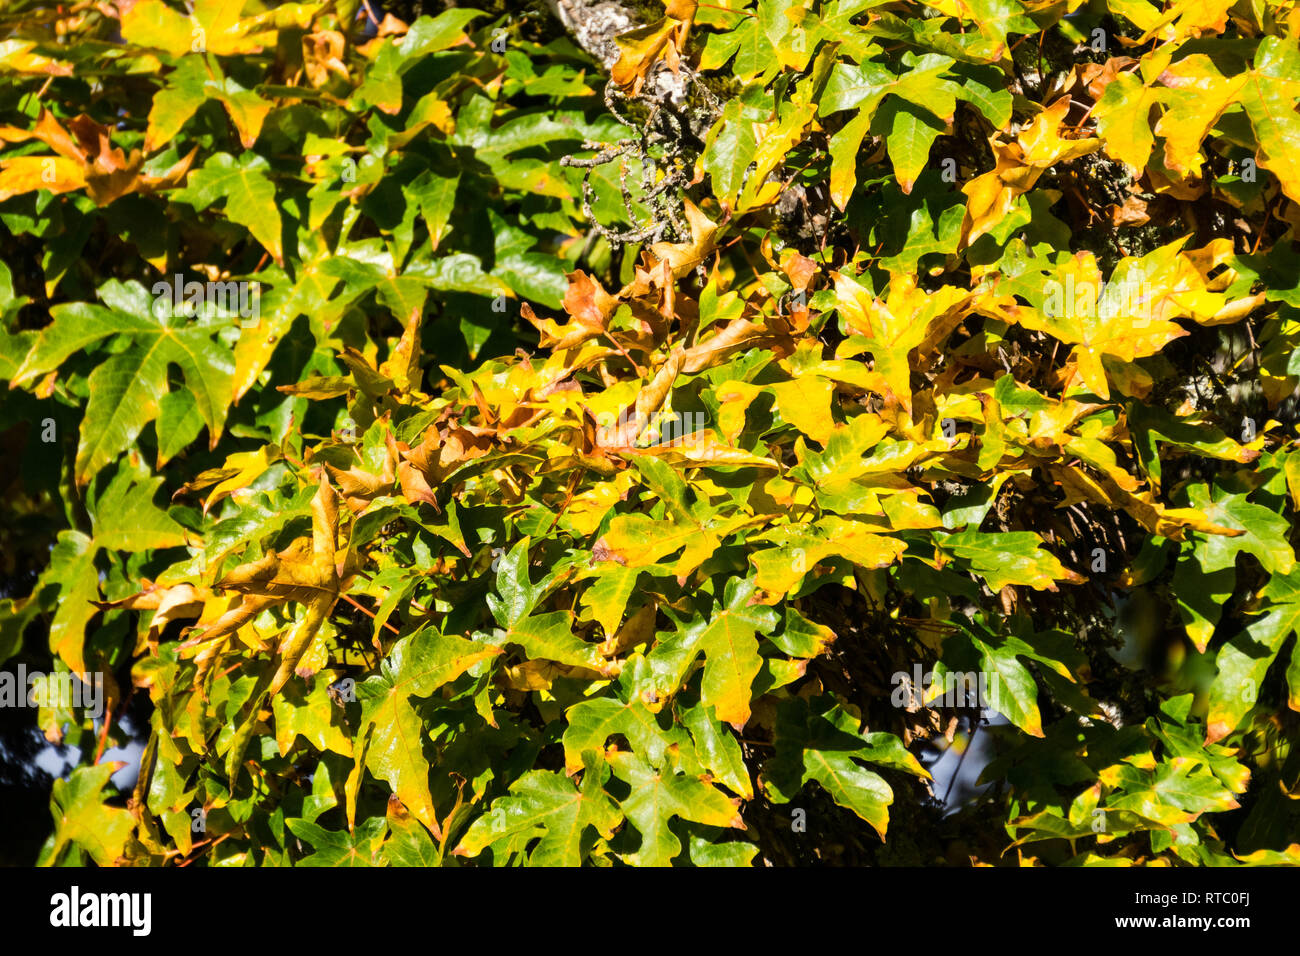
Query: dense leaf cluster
[{"x": 455, "y": 454}]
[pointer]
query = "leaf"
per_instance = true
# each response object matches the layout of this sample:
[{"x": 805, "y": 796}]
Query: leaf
[
  {"x": 518, "y": 595},
  {"x": 82, "y": 818},
  {"x": 639, "y": 49},
  {"x": 126, "y": 387},
  {"x": 731, "y": 145},
  {"x": 1018, "y": 167},
  {"x": 1176, "y": 792},
  {"x": 1123, "y": 119},
  {"x": 1200, "y": 597},
  {"x": 729, "y": 643},
  {"x": 550, "y": 637},
  {"x": 592, "y": 722},
  {"x": 1127, "y": 318},
  {"x": 659, "y": 796},
  {"x": 436, "y": 196},
  {"x": 814, "y": 741},
  {"x": 912, "y": 131},
  {"x": 891, "y": 328},
  {"x": 339, "y": 849},
  {"x": 72, "y": 568},
  {"x": 638, "y": 540},
  {"x": 123, "y": 400},
  {"x": 718, "y": 751},
  {"x": 1008, "y": 557},
  {"x": 23, "y": 174},
  {"x": 606, "y": 599},
  {"x": 312, "y": 716},
  {"x": 546, "y": 804},
  {"x": 844, "y": 148},
  {"x": 127, "y": 520},
  {"x": 779, "y": 570},
  {"x": 416, "y": 667},
  {"x": 1010, "y": 688},
  {"x": 1269, "y": 97},
  {"x": 806, "y": 404},
  {"x": 408, "y": 843},
  {"x": 1243, "y": 662},
  {"x": 1197, "y": 96},
  {"x": 248, "y": 112},
  {"x": 151, "y": 23},
  {"x": 1265, "y": 532},
  {"x": 248, "y": 194}
]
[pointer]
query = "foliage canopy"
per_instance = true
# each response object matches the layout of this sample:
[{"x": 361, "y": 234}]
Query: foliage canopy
[{"x": 599, "y": 453}]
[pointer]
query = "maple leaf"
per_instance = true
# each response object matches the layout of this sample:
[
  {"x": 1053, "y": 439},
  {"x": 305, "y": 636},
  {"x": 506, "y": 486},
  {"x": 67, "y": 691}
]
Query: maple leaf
[
  {"x": 907, "y": 318},
  {"x": 1018, "y": 165},
  {"x": 304, "y": 573},
  {"x": 641, "y": 48},
  {"x": 1127, "y": 318}
]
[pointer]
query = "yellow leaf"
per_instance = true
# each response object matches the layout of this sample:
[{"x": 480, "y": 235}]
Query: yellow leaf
[
  {"x": 1197, "y": 96},
  {"x": 151, "y": 23},
  {"x": 240, "y": 470},
  {"x": 638, "y": 51},
  {"x": 1018, "y": 166},
  {"x": 16, "y": 56},
  {"x": 23, "y": 174},
  {"x": 774, "y": 142},
  {"x": 805, "y": 403},
  {"x": 1123, "y": 116},
  {"x": 1128, "y": 318},
  {"x": 403, "y": 365},
  {"x": 683, "y": 257},
  {"x": 892, "y": 328}
]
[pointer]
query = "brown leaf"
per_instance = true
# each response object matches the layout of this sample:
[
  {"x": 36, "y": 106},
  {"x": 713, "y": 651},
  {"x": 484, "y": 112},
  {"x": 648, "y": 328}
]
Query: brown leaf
[
  {"x": 590, "y": 307},
  {"x": 683, "y": 257},
  {"x": 304, "y": 573},
  {"x": 1132, "y": 213},
  {"x": 322, "y": 54},
  {"x": 640, "y": 49}
]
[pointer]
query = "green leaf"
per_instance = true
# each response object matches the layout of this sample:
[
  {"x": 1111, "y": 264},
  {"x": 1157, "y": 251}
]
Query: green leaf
[
  {"x": 816, "y": 740},
  {"x": 1177, "y": 791},
  {"x": 991, "y": 660},
  {"x": 176, "y": 102},
  {"x": 911, "y": 133},
  {"x": 717, "y": 750},
  {"x": 1265, "y": 532},
  {"x": 127, "y": 520},
  {"x": 1007, "y": 557},
  {"x": 81, "y": 817},
  {"x": 1243, "y": 662},
  {"x": 312, "y": 716},
  {"x": 729, "y": 642},
  {"x": 416, "y": 667},
  {"x": 658, "y": 796},
  {"x": 436, "y": 196},
  {"x": 546, "y": 804},
  {"x": 248, "y": 192},
  {"x": 550, "y": 637},
  {"x": 337, "y": 848},
  {"x": 1269, "y": 98},
  {"x": 72, "y": 569},
  {"x": 592, "y": 722},
  {"x": 408, "y": 843}
]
